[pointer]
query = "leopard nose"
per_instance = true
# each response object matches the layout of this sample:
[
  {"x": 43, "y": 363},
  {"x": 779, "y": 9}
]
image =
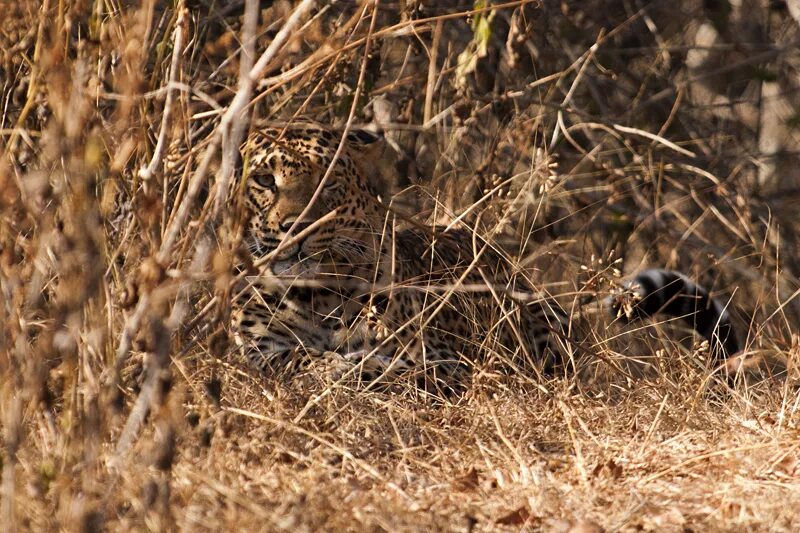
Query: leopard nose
[{"x": 299, "y": 225}]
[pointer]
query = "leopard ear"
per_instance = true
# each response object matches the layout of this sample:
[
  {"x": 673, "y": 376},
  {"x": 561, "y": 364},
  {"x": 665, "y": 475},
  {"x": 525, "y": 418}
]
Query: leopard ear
[
  {"x": 363, "y": 138},
  {"x": 366, "y": 146}
]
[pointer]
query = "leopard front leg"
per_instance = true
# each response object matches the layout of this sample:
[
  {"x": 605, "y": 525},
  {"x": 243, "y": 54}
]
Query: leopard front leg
[
  {"x": 271, "y": 359},
  {"x": 437, "y": 372},
  {"x": 365, "y": 366},
  {"x": 443, "y": 373}
]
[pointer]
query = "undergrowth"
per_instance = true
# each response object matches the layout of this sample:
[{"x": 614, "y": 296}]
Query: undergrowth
[{"x": 585, "y": 138}]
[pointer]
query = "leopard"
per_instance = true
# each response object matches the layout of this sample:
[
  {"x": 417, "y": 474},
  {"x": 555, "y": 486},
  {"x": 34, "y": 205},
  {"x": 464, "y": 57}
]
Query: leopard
[{"x": 347, "y": 283}]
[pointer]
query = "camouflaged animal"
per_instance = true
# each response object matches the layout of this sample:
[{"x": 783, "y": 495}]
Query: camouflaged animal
[{"x": 367, "y": 300}]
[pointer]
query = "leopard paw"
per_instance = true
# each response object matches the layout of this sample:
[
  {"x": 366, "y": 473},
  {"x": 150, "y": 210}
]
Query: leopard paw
[{"x": 362, "y": 366}]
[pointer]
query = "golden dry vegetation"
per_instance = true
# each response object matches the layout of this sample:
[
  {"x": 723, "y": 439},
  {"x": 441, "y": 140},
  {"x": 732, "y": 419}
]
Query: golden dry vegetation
[{"x": 587, "y": 136}]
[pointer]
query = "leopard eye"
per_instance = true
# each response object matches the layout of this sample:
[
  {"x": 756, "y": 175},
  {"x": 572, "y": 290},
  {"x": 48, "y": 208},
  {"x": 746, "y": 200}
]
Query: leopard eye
[
  {"x": 265, "y": 180},
  {"x": 332, "y": 185}
]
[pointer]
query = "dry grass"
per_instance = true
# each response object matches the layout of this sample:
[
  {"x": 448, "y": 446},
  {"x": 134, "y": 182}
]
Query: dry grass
[{"x": 676, "y": 143}]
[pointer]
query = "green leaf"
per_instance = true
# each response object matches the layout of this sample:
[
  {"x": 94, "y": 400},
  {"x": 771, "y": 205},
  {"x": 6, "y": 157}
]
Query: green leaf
[{"x": 478, "y": 47}]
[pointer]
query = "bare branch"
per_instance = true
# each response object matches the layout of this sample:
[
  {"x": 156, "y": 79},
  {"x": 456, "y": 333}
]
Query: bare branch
[{"x": 177, "y": 47}]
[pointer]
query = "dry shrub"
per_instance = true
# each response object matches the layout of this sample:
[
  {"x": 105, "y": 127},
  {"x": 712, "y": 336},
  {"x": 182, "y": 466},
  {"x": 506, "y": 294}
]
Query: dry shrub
[{"x": 582, "y": 139}]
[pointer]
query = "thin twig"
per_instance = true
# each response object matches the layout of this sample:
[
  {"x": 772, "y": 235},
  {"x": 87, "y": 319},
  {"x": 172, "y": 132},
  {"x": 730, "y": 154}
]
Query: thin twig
[
  {"x": 342, "y": 141},
  {"x": 429, "y": 89},
  {"x": 177, "y": 46},
  {"x": 232, "y": 137},
  {"x": 239, "y": 102},
  {"x": 656, "y": 138},
  {"x": 180, "y": 219}
]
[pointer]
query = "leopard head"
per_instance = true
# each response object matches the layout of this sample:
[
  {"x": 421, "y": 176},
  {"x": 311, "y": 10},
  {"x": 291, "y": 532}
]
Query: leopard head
[{"x": 284, "y": 170}]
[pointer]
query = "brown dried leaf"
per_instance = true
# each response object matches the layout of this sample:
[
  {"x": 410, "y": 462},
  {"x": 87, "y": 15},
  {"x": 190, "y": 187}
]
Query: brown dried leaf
[
  {"x": 586, "y": 526},
  {"x": 517, "y": 517},
  {"x": 614, "y": 471},
  {"x": 467, "y": 482}
]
